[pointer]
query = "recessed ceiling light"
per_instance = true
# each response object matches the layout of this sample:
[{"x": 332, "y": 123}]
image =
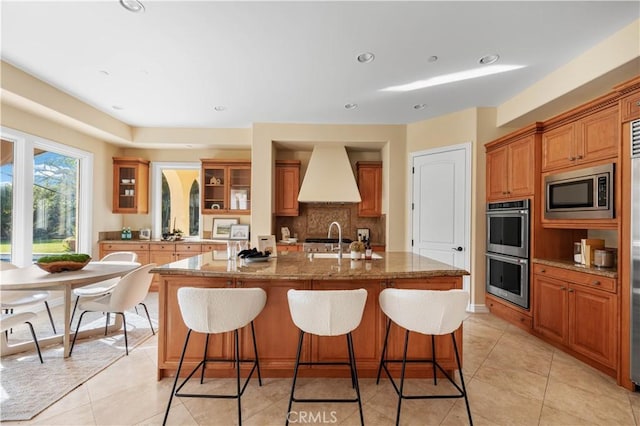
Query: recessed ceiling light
[
  {"x": 117, "y": 107},
  {"x": 432, "y": 58},
  {"x": 489, "y": 59},
  {"x": 132, "y": 5},
  {"x": 366, "y": 57},
  {"x": 419, "y": 106},
  {"x": 105, "y": 72},
  {"x": 220, "y": 108},
  {"x": 453, "y": 77},
  {"x": 350, "y": 106}
]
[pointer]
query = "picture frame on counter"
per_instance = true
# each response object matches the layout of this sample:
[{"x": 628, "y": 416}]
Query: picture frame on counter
[
  {"x": 239, "y": 232},
  {"x": 221, "y": 228}
]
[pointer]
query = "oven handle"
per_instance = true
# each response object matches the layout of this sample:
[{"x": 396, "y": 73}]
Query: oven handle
[
  {"x": 508, "y": 259},
  {"x": 507, "y": 212}
]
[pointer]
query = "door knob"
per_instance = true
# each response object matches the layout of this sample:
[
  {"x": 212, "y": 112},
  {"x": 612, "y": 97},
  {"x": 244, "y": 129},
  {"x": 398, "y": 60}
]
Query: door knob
[{"x": 457, "y": 248}]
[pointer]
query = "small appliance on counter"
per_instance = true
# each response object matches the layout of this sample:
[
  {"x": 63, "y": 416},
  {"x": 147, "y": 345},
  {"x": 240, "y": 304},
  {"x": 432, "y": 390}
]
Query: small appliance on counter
[
  {"x": 145, "y": 234},
  {"x": 588, "y": 246},
  {"x": 604, "y": 258}
]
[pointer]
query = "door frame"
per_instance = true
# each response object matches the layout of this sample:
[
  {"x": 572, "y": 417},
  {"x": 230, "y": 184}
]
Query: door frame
[{"x": 467, "y": 148}]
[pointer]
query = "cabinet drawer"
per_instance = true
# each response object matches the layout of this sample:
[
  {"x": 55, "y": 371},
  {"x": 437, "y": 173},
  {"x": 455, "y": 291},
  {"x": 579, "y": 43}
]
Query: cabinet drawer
[
  {"x": 508, "y": 314},
  {"x": 192, "y": 248},
  {"x": 163, "y": 247},
  {"x": 125, "y": 246},
  {"x": 582, "y": 278},
  {"x": 211, "y": 247}
]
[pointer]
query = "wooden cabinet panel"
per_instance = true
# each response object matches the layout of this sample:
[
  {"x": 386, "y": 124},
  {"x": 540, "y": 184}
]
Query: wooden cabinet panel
[
  {"x": 571, "y": 312},
  {"x": 497, "y": 173},
  {"x": 226, "y": 187},
  {"x": 211, "y": 247},
  {"x": 508, "y": 312},
  {"x": 510, "y": 170},
  {"x": 141, "y": 249},
  {"x": 287, "y": 187},
  {"x": 130, "y": 185},
  {"x": 599, "y": 136},
  {"x": 366, "y": 338},
  {"x": 550, "y": 317},
  {"x": 370, "y": 187},
  {"x": 630, "y": 107},
  {"x": 558, "y": 147},
  {"x": 276, "y": 334},
  {"x": 288, "y": 247},
  {"x": 592, "y": 138},
  {"x": 589, "y": 280},
  {"x": 592, "y": 324},
  {"x": 220, "y": 345}
]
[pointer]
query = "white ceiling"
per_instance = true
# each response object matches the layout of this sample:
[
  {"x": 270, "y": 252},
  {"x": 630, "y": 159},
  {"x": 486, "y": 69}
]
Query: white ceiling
[{"x": 294, "y": 62}]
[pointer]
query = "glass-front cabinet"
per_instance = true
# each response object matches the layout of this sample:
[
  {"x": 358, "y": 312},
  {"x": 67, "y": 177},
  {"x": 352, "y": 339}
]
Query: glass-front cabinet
[
  {"x": 226, "y": 186},
  {"x": 130, "y": 185}
]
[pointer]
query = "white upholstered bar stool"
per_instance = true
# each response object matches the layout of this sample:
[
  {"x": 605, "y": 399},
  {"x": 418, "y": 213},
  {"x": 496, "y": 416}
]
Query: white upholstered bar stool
[
  {"x": 8, "y": 321},
  {"x": 327, "y": 313},
  {"x": 218, "y": 310},
  {"x": 430, "y": 312}
]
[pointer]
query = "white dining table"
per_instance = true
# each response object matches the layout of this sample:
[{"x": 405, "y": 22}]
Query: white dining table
[{"x": 33, "y": 278}]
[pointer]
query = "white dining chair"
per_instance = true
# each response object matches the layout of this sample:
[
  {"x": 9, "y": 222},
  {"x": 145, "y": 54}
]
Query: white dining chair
[
  {"x": 8, "y": 321},
  {"x": 102, "y": 288},
  {"x": 128, "y": 292},
  {"x": 13, "y": 299}
]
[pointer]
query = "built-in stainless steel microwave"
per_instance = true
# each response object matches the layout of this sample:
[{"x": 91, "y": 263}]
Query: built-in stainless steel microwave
[{"x": 580, "y": 194}]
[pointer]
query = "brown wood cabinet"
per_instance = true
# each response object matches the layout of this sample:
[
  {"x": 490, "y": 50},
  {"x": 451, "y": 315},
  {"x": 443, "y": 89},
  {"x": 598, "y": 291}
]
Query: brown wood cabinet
[
  {"x": 630, "y": 107},
  {"x": 288, "y": 247},
  {"x": 130, "y": 185},
  {"x": 226, "y": 187},
  {"x": 370, "y": 186},
  {"x": 591, "y": 138},
  {"x": 578, "y": 311},
  {"x": 287, "y": 187},
  {"x": 277, "y": 336},
  {"x": 141, "y": 249},
  {"x": 510, "y": 169}
]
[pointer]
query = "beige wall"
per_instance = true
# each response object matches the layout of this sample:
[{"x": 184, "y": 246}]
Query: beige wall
[
  {"x": 266, "y": 136},
  {"x": 102, "y": 218}
]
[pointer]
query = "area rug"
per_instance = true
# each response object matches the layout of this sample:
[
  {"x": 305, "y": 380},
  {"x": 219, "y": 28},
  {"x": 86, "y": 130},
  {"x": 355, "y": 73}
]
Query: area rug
[{"x": 29, "y": 387}]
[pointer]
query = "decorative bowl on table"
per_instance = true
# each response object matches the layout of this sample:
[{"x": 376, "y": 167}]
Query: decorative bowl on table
[{"x": 63, "y": 262}]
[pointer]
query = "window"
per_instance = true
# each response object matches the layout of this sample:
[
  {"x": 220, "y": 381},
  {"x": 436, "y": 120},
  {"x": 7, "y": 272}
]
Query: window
[
  {"x": 45, "y": 207},
  {"x": 175, "y": 194}
]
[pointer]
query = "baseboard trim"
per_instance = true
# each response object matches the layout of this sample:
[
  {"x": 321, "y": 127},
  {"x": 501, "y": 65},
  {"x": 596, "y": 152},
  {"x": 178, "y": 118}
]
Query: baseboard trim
[{"x": 478, "y": 308}]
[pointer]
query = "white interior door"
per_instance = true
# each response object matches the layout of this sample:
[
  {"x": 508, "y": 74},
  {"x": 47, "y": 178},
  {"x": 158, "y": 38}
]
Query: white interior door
[{"x": 441, "y": 205}]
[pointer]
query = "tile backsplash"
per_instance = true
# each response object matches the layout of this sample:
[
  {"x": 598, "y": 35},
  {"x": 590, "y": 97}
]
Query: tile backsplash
[{"x": 314, "y": 220}]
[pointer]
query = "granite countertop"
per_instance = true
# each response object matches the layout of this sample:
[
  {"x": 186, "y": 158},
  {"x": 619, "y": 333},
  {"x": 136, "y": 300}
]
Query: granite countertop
[
  {"x": 300, "y": 266},
  {"x": 569, "y": 264}
]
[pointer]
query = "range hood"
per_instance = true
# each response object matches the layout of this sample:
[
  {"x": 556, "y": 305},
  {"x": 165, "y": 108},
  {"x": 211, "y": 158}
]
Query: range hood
[{"x": 329, "y": 178}]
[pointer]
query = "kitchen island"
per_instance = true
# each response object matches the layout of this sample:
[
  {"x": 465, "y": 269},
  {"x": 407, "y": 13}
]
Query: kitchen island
[{"x": 276, "y": 334}]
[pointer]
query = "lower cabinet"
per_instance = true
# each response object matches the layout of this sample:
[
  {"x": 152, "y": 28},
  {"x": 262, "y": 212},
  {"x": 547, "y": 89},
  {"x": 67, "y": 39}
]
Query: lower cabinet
[
  {"x": 141, "y": 249},
  {"x": 277, "y": 336},
  {"x": 569, "y": 310}
]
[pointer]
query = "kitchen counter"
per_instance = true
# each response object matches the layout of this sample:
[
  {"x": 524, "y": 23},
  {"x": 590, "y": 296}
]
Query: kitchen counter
[
  {"x": 569, "y": 264},
  {"x": 303, "y": 266},
  {"x": 276, "y": 334}
]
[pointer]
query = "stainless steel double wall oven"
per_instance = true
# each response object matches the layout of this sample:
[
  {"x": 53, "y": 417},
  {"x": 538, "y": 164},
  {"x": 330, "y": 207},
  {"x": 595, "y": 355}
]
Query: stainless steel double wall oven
[{"x": 508, "y": 230}]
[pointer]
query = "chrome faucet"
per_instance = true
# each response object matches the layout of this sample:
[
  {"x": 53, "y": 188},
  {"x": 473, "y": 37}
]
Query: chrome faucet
[{"x": 339, "y": 237}]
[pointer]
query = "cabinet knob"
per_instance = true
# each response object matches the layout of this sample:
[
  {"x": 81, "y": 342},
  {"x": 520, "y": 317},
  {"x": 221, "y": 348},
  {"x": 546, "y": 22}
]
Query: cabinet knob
[
  {"x": 638, "y": 103},
  {"x": 543, "y": 271},
  {"x": 580, "y": 157},
  {"x": 563, "y": 288},
  {"x": 572, "y": 158},
  {"x": 596, "y": 283},
  {"x": 570, "y": 290},
  {"x": 392, "y": 284},
  {"x": 229, "y": 283}
]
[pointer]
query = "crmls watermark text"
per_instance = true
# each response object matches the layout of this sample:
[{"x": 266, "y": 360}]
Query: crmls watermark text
[{"x": 305, "y": 417}]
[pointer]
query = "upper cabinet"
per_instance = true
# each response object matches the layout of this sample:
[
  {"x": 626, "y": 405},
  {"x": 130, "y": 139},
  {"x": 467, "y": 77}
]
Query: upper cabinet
[
  {"x": 510, "y": 169},
  {"x": 630, "y": 107},
  {"x": 370, "y": 186},
  {"x": 130, "y": 185},
  {"x": 226, "y": 186},
  {"x": 591, "y": 138},
  {"x": 287, "y": 187}
]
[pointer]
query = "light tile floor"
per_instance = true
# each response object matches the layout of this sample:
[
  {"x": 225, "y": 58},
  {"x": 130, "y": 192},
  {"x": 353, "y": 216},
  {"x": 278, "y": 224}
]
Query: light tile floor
[{"x": 512, "y": 378}]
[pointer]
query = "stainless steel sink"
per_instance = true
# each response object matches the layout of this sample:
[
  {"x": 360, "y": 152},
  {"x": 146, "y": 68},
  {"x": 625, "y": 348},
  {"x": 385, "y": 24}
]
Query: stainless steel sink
[{"x": 335, "y": 256}]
